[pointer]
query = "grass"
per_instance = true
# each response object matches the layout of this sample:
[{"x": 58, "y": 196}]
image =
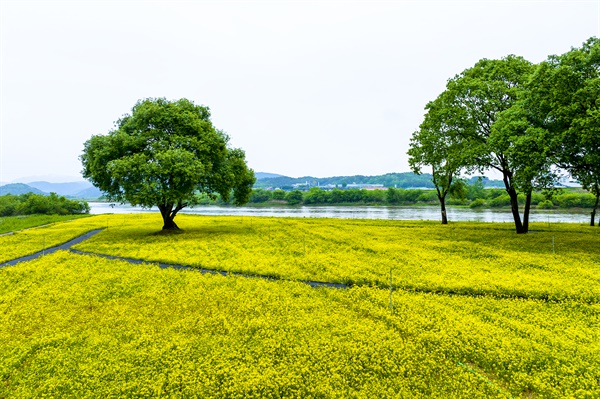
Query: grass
[{"x": 16, "y": 223}]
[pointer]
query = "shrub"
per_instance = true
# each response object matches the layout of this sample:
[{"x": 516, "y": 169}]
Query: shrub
[
  {"x": 478, "y": 203},
  {"x": 279, "y": 195},
  {"x": 546, "y": 204},
  {"x": 503, "y": 200},
  {"x": 294, "y": 197},
  {"x": 259, "y": 195},
  {"x": 427, "y": 196},
  {"x": 31, "y": 204},
  {"x": 571, "y": 200}
]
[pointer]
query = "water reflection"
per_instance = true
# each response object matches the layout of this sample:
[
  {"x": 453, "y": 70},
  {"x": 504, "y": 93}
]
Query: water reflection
[{"x": 361, "y": 212}]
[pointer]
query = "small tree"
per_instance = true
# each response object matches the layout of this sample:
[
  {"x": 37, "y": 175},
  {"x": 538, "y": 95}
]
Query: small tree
[
  {"x": 162, "y": 155},
  {"x": 437, "y": 146}
]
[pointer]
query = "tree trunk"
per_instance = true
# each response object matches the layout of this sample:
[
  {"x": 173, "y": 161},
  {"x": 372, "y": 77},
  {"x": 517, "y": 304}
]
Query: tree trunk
[
  {"x": 441, "y": 194},
  {"x": 169, "y": 223},
  {"x": 166, "y": 211},
  {"x": 594, "y": 210},
  {"x": 514, "y": 202},
  {"x": 526, "y": 212},
  {"x": 443, "y": 205},
  {"x": 514, "y": 207}
]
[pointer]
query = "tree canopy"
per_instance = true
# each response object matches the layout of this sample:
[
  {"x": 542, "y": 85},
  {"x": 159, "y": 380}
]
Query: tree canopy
[
  {"x": 461, "y": 129},
  {"x": 436, "y": 145},
  {"x": 526, "y": 121},
  {"x": 565, "y": 96},
  {"x": 164, "y": 154}
]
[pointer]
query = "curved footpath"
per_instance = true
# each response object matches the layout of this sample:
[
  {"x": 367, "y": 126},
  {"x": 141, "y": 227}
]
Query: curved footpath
[{"x": 67, "y": 247}]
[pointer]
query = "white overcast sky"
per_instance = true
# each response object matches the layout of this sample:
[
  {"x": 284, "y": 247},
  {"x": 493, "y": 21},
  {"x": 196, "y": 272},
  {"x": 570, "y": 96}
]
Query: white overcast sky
[{"x": 318, "y": 88}]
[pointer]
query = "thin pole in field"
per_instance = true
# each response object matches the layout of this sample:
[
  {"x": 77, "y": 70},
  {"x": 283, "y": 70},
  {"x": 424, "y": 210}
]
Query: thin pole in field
[
  {"x": 391, "y": 292},
  {"x": 552, "y": 244},
  {"x": 304, "y": 240}
]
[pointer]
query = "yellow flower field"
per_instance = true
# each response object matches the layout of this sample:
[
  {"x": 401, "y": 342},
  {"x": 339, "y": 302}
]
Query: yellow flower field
[
  {"x": 82, "y": 326},
  {"x": 33, "y": 240},
  {"x": 469, "y": 258},
  {"x": 477, "y": 311}
]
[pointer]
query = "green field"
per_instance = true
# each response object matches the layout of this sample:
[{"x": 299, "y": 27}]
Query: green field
[
  {"x": 477, "y": 311},
  {"x": 16, "y": 223}
]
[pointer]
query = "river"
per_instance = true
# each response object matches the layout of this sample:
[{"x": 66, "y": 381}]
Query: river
[{"x": 362, "y": 212}]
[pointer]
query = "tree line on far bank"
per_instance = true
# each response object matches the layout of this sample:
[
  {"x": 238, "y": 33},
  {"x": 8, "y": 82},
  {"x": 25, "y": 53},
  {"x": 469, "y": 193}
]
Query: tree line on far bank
[
  {"x": 37, "y": 204},
  {"x": 531, "y": 123},
  {"x": 471, "y": 195}
]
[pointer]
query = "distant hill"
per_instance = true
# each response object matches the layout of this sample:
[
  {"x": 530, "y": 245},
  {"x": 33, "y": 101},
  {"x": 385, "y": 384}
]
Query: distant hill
[
  {"x": 487, "y": 183},
  {"x": 18, "y": 189},
  {"x": 78, "y": 189},
  {"x": 399, "y": 180},
  {"x": 404, "y": 180},
  {"x": 49, "y": 178},
  {"x": 71, "y": 189},
  {"x": 89, "y": 193},
  {"x": 264, "y": 175}
]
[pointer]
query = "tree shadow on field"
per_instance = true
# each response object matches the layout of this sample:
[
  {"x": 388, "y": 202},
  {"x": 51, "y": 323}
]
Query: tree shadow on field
[
  {"x": 199, "y": 232},
  {"x": 169, "y": 232}
]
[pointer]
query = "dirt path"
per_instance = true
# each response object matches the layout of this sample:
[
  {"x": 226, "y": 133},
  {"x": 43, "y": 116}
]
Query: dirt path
[{"x": 67, "y": 247}]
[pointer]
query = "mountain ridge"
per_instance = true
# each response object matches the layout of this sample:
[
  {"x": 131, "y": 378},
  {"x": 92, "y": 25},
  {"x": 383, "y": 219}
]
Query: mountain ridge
[
  {"x": 18, "y": 189},
  {"x": 405, "y": 180}
]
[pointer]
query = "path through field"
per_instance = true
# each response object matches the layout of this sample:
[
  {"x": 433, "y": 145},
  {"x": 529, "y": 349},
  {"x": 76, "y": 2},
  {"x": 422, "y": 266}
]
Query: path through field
[{"x": 67, "y": 247}]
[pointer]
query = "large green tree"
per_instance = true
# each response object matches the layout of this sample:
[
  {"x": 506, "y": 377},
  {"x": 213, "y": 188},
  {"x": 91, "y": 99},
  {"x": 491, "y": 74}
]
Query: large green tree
[
  {"x": 525, "y": 146},
  {"x": 164, "y": 154},
  {"x": 495, "y": 134},
  {"x": 564, "y": 95}
]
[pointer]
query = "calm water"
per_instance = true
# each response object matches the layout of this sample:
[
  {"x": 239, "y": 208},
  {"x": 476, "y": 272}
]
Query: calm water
[{"x": 362, "y": 212}]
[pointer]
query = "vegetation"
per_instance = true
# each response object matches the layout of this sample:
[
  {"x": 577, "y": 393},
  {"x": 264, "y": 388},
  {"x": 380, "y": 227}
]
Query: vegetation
[
  {"x": 30, "y": 241},
  {"x": 563, "y": 101},
  {"x": 473, "y": 195},
  {"x": 519, "y": 119},
  {"x": 30, "y": 204},
  {"x": 434, "y": 145},
  {"x": 16, "y": 223},
  {"x": 476, "y": 312},
  {"x": 458, "y": 260},
  {"x": 162, "y": 155}
]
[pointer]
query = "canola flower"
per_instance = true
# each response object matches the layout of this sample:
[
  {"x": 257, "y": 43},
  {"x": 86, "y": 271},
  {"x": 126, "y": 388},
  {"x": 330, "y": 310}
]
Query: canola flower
[
  {"x": 464, "y": 258},
  {"x": 33, "y": 240},
  {"x": 83, "y": 326}
]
